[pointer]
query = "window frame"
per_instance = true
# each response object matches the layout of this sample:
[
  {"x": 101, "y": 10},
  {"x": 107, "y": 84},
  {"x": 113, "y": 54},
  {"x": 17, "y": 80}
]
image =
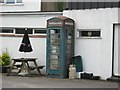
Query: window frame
[
  {"x": 15, "y": 3},
  {"x": 88, "y": 37}
]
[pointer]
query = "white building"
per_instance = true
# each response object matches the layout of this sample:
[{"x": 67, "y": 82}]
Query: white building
[
  {"x": 20, "y": 5},
  {"x": 96, "y": 33},
  {"x": 16, "y": 17}
]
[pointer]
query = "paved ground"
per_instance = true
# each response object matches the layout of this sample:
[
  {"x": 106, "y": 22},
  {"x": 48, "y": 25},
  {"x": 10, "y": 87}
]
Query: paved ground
[{"x": 43, "y": 82}]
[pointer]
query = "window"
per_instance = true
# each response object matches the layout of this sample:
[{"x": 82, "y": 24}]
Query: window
[
  {"x": 89, "y": 33},
  {"x": 6, "y": 31},
  {"x": 22, "y": 30},
  {"x": 40, "y": 31},
  {"x": 19, "y": 31},
  {"x": 18, "y": 1},
  {"x": 1, "y": 1},
  {"x": 10, "y": 1},
  {"x": 13, "y": 1}
]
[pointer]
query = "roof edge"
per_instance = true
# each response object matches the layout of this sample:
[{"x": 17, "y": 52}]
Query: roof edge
[{"x": 31, "y": 13}]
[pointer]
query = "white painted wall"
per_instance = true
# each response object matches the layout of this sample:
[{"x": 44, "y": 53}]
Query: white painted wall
[
  {"x": 27, "y": 5},
  {"x": 38, "y": 44},
  {"x": 36, "y": 21},
  {"x": 96, "y": 53}
]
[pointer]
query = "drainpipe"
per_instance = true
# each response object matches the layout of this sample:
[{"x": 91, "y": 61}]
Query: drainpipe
[{"x": 113, "y": 50}]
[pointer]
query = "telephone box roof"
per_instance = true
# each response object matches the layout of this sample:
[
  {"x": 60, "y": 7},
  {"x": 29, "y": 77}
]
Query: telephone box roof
[
  {"x": 60, "y": 21},
  {"x": 61, "y": 17}
]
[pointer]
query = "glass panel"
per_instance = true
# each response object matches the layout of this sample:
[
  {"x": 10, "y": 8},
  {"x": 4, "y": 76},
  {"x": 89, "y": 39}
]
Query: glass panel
[
  {"x": 89, "y": 33},
  {"x": 40, "y": 31},
  {"x": 68, "y": 47},
  {"x": 6, "y": 31},
  {"x": 54, "y": 36},
  {"x": 68, "y": 43},
  {"x": 54, "y": 62},
  {"x": 18, "y": 1},
  {"x": 54, "y": 48},
  {"x": 10, "y": 1},
  {"x": 22, "y": 30},
  {"x": 54, "y": 57},
  {"x": 84, "y": 33},
  {"x": 53, "y": 66},
  {"x": 1, "y": 1},
  {"x": 96, "y": 33}
]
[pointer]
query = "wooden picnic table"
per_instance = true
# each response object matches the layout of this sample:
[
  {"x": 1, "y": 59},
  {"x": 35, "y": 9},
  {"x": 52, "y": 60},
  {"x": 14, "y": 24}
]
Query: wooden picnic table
[{"x": 25, "y": 65}]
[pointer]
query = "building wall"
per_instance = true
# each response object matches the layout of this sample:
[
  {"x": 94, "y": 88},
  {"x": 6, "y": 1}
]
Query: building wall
[
  {"x": 38, "y": 44},
  {"x": 27, "y": 5},
  {"x": 25, "y": 21},
  {"x": 13, "y": 43},
  {"x": 96, "y": 52}
]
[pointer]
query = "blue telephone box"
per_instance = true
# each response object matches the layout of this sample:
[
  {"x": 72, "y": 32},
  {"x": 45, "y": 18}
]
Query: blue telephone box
[{"x": 59, "y": 47}]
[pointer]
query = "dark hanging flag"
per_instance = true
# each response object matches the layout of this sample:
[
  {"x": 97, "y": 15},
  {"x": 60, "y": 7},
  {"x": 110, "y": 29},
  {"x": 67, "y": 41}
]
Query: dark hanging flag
[{"x": 25, "y": 45}]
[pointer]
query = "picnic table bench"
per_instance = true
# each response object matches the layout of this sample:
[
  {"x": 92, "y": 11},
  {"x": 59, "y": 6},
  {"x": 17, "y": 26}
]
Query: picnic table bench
[
  {"x": 25, "y": 65},
  {"x": 36, "y": 67}
]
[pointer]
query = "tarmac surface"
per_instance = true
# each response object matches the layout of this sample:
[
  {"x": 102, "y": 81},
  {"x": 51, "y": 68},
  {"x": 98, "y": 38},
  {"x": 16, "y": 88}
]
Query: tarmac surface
[{"x": 44, "y": 82}]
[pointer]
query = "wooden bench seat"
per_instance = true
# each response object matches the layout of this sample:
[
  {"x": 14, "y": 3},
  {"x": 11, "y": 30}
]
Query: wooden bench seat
[
  {"x": 24, "y": 66},
  {"x": 36, "y": 67},
  {"x": 18, "y": 65}
]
